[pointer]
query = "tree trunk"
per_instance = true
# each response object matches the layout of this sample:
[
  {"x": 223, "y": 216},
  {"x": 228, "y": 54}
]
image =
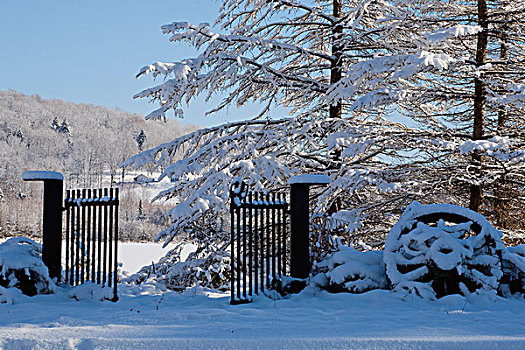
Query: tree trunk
[
  {"x": 336, "y": 64},
  {"x": 502, "y": 114},
  {"x": 476, "y": 190},
  {"x": 336, "y": 111},
  {"x": 500, "y": 204}
]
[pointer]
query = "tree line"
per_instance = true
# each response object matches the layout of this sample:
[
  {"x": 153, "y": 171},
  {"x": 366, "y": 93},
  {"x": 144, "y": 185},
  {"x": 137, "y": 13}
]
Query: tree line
[{"x": 84, "y": 142}]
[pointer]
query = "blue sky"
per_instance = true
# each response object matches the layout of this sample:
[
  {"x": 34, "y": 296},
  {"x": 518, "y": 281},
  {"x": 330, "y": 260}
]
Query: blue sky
[{"x": 90, "y": 51}]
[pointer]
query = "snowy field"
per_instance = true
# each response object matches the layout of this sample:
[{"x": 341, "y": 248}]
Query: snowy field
[
  {"x": 135, "y": 255},
  {"x": 146, "y": 317},
  {"x": 132, "y": 256}
]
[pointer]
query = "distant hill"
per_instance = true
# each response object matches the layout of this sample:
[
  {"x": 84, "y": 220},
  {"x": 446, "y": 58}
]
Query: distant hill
[{"x": 84, "y": 142}]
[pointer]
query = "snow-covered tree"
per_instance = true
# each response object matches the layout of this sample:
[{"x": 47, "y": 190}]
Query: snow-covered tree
[
  {"x": 345, "y": 70},
  {"x": 481, "y": 92},
  {"x": 141, "y": 137},
  {"x": 83, "y": 142},
  {"x": 323, "y": 58}
]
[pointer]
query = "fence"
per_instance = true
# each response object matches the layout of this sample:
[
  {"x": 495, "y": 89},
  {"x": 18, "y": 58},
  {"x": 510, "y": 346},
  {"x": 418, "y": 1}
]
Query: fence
[
  {"x": 259, "y": 242},
  {"x": 259, "y": 246},
  {"x": 92, "y": 237}
]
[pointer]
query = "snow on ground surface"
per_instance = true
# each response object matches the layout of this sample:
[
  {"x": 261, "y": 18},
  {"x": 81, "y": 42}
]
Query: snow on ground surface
[
  {"x": 147, "y": 318},
  {"x": 134, "y": 255}
]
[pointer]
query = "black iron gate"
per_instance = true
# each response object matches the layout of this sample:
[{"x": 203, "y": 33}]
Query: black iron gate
[
  {"x": 92, "y": 237},
  {"x": 259, "y": 241}
]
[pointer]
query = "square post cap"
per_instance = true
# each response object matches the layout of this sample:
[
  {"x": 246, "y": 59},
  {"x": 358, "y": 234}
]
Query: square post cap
[
  {"x": 309, "y": 179},
  {"x": 41, "y": 175}
]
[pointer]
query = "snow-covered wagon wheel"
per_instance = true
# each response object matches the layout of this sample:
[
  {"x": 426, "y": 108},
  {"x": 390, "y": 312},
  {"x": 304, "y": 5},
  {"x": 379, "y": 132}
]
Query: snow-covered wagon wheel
[{"x": 441, "y": 249}]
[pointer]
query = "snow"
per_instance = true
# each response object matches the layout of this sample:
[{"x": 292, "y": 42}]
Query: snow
[
  {"x": 496, "y": 147},
  {"x": 309, "y": 179},
  {"x": 36, "y": 175},
  {"x": 516, "y": 255},
  {"x": 134, "y": 255},
  {"x": 22, "y": 254},
  {"x": 148, "y": 318},
  {"x": 438, "y": 37},
  {"x": 90, "y": 291},
  {"x": 416, "y": 209},
  {"x": 355, "y": 271}
]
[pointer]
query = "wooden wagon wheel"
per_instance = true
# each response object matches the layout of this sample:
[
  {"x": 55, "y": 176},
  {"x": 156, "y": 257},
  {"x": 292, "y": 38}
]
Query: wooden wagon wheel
[{"x": 437, "y": 250}]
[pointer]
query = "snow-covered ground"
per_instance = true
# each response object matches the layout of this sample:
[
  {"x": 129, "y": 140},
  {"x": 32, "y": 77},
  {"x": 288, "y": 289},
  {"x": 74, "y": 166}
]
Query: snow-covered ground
[
  {"x": 146, "y": 318},
  {"x": 133, "y": 255}
]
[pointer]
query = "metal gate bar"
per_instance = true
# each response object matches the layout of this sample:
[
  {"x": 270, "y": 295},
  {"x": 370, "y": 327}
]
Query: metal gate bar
[
  {"x": 92, "y": 237},
  {"x": 258, "y": 241}
]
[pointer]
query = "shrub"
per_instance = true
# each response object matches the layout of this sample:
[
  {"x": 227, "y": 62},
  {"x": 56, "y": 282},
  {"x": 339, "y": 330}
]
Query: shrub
[
  {"x": 351, "y": 271},
  {"x": 21, "y": 267},
  {"x": 207, "y": 267}
]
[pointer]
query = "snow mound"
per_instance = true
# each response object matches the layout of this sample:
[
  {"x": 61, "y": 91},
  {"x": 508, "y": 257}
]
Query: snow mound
[
  {"x": 351, "y": 271},
  {"x": 91, "y": 291},
  {"x": 441, "y": 249},
  {"x": 21, "y": 267},
  {"x": 10, "y": 295}
]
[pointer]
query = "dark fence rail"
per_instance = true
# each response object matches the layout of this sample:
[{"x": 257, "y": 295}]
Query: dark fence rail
[
  {"x": 92, "y": 237},
  {"x": 258, "y": 241}
]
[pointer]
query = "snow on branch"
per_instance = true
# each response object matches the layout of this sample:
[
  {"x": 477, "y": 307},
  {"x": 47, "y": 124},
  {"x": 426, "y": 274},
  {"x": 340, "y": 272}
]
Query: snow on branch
[
  {"x": 268, "y": 56},
  {"x": 373, "y": 160},
  {"x": 374, "y": 62},
  {"x": 442, "y": 35}
]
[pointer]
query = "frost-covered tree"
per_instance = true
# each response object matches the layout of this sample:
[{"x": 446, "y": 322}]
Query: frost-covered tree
[
  {"x": 346, "y": 70},
  {"x": 480, "y": 94},
  {"x": 323, "y": 58},
  {"x": 141, "y": 137},
  {"x": 84, "y": 142}
]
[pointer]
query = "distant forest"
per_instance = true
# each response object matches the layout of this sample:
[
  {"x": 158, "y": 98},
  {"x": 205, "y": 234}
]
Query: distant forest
[{"x": 84, "y": 142}]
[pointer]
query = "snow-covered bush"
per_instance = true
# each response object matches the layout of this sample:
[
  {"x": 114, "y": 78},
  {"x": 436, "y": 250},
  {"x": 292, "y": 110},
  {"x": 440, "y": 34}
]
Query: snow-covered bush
[
  {"x": 21, "y": 267},
  {"x": 351, "y": 271},
  {"x": 432, "y": 251},
  {"x": 513, "y": 266},
  {"x": 442, "y": 249},
  {"x": 207, "y": 267}
]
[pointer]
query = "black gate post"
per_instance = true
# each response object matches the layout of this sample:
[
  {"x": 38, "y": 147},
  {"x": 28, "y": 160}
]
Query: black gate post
[
  {"x": 300, "y": 264},
  {"x": 52, "y": 218}
]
